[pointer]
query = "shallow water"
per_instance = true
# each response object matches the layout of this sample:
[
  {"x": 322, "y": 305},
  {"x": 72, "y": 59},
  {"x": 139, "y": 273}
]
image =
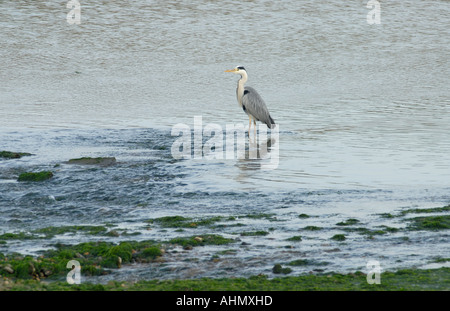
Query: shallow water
[{"x": 363, "y": 114}]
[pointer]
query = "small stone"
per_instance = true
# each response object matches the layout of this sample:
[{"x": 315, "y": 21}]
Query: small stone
[
  {"x": 31, "y": 269},
  {"x": 78, "y": 255},
  {"x": 198, "y": 239},
  {"x": 119, "y": 262},
  {"x": 8, "y": 269}
]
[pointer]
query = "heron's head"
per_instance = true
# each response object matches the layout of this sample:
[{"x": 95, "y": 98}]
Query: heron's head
[{"x": 238, "y": 69}]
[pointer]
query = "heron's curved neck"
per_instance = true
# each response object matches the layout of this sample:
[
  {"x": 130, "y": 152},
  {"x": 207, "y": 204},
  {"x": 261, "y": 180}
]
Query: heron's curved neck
[
  {"x": 243, "y": 78},
  {"x": 240, "y": 87}
]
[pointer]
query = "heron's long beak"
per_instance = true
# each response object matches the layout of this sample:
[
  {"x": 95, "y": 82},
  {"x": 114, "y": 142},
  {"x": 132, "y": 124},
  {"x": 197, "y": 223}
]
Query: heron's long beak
[{"x": 231, "y": 70}]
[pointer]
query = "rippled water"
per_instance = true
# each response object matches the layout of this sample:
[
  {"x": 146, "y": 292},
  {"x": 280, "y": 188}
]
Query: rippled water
[{"x": 363, "y": 113}]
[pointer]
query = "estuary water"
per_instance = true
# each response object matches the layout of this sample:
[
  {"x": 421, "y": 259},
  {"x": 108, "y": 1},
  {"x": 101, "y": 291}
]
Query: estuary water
[{"x": 363, "y": 115}]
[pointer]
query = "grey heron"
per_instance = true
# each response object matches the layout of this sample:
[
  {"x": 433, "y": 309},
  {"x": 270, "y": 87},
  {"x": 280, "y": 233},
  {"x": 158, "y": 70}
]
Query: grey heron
[{"x": 251, "y": 102}]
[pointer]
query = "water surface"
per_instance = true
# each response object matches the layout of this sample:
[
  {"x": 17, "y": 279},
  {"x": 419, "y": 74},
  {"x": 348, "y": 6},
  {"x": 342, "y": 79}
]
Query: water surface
[{"x": 363, "y": 114}]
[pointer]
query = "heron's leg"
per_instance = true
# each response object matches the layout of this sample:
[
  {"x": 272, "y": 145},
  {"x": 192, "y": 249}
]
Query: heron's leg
[
  {"x": 254, "y": 128},
  {"x": 249, "y": 125}
]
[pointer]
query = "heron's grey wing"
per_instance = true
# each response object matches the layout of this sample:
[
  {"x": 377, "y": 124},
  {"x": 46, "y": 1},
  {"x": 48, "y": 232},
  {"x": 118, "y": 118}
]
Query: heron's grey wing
[{"x": 254, "y": 105}]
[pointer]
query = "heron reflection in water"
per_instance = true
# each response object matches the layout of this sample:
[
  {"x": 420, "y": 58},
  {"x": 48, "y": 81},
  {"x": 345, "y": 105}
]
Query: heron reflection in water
[{"x": 258, "y": 158}]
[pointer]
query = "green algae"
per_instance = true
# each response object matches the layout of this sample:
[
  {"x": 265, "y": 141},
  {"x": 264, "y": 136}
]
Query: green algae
[
  {"x": 52, "y": 231},
  {"x": 124, "y": 250},
  {"x": 312, "y": 228},
  {"x": 431, "y": 223},
  {"x": 151, "y": 252},
  {"x": 35, "y": 177},
  {"x": 299, "y": 262},
  {"x": 18, "y": 236},
  {"x": 97, "y": 257},
  {"x": 426, "y": 210},
  {"x": 296, "y": 238},
  {"x": 181, "y": 222},
  {"x": 338, "y": 237},
  {"x": 94, "y": 257},
  {"x": 386, "y": 215},
  {"x": 113, "y": 255},
  {"x": 254, "y": 233},
  {"x": 13, "y": 155},
  {"x": 184, "y": 222},
  {"x": 417, "y": 211},
  {"x": 263, "y": 216},
  {"x": 227, "y": 252},
  {"x": 306, "y": 262},
  {"x": 390, "y": 229},
  {"x": 201, "y": 240},
  {"x": 27, "y": 267},
  {"x": 348, "y": 222},
  {"x": 440, "y": 260},
  {"x": 303, "y": 216},
  {"x": 278, "y": 269},
  {"x": 370, "y": 233},
  {"x": 172, "y": 221},
  {"x": 402, "y": 280}
]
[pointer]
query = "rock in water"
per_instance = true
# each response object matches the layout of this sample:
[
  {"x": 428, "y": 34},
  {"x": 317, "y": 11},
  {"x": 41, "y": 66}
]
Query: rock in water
[
  {"x": 102, "y": 161},
  {"x": 13, "y": 155},
  {"x": 39, "y": 176}
]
